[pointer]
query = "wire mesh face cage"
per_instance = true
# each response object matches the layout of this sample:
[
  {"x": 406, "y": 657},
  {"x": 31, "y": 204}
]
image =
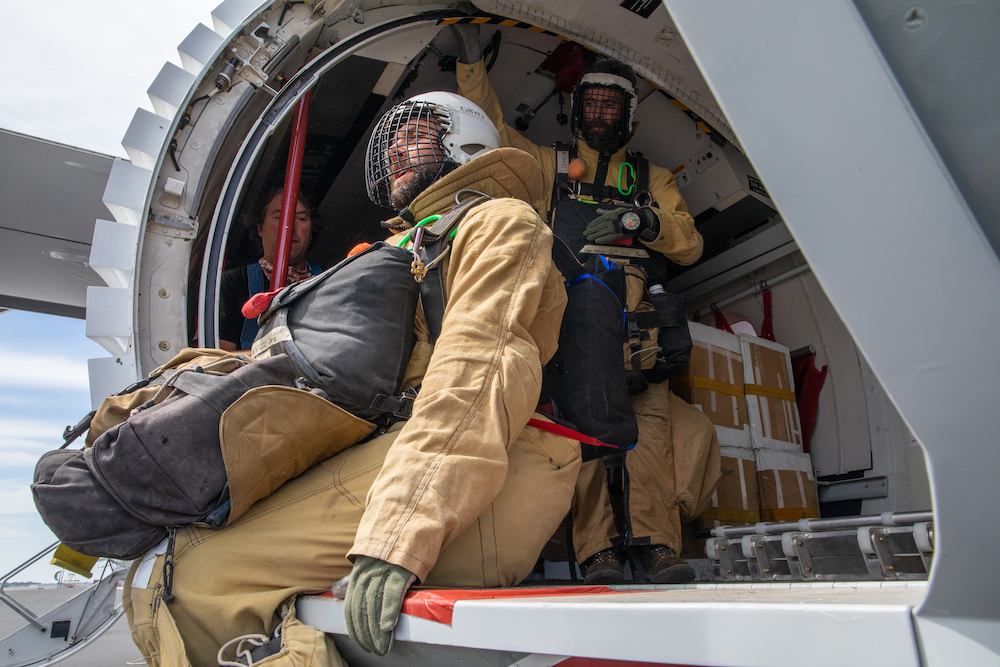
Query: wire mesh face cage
[
  {"x": 408, "y": 135},
  {"x": 602, "y": 116}
]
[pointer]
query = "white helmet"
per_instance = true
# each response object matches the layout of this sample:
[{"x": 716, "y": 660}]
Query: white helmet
[{"x": 458, "y": 131}]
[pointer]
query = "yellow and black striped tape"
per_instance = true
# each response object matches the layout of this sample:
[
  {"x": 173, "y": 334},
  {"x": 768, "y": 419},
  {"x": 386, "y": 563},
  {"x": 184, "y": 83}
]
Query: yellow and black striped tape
[
  {"x": 498, "y": 20},
  {"x": 511, "y": 23}
]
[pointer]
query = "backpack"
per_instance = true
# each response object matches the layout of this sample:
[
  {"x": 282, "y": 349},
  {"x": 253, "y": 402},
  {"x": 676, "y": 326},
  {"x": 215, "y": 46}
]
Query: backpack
[{"x": 205, "y": 448}]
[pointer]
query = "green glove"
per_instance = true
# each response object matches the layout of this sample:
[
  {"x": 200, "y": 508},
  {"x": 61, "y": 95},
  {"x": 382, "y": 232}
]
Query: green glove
[
  {"x": 622, "y": 223},
  {"x": 374, "y": 598},
  {"x": 470, "y": 51}
]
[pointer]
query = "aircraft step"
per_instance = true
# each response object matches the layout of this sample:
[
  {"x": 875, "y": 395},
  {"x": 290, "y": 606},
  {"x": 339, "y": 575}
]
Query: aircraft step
[{"x": 58, "y": 633}]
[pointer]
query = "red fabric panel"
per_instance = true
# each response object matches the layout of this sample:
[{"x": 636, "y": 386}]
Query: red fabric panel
[
  {"x": 808, "y": 383},
  {"x": 767, "y": 327},
  {"x": 721, "y": 322},
  {"x": 438, "y": 605}
]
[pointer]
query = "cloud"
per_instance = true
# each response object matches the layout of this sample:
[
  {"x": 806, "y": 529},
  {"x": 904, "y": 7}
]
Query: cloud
[
  {"x": 22, "y": 441},
  {"x": 15, "y": 497},
  {"x": 26, "y": 369}
]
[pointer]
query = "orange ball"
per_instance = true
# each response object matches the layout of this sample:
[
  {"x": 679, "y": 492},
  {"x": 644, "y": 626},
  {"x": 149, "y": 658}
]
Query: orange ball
[
  {"x": 358, "y": 248},
  {"x": 576, "y": 169}
]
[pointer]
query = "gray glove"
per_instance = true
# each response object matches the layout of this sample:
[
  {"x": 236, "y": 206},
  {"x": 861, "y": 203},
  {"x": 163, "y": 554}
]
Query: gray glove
[
  {"x": 374, "y": 597},
  {"x": 470, "y": 51},
  {"x": 623, "y": 223}
]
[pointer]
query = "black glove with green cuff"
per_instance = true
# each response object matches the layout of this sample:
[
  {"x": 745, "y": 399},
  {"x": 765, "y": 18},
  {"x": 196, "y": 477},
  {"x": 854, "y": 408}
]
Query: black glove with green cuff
[
  {"x": 622, "y": 223},
  {"x": 374, "y": 598}
]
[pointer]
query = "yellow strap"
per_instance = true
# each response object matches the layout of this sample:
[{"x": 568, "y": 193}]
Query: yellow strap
[
  {"x": 769, "y": 392},
  {"x": 789, "y": 514},
  {"x": 696, "y": 382},
  {"x": 729, "y": 515}
]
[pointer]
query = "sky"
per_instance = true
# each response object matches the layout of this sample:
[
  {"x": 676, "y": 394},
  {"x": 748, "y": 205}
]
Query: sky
[{"x": 74, "y": 72}]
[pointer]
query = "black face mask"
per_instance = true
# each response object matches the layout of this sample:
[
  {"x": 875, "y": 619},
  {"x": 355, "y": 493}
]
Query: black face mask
[{"x": 600, "y": 117}]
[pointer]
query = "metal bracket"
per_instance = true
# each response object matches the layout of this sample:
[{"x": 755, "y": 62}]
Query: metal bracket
[{"x": 854, "y": 489}]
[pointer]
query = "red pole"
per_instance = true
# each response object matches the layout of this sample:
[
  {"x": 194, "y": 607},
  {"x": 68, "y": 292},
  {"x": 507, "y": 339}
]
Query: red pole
[{"x": 289, "y": 201}]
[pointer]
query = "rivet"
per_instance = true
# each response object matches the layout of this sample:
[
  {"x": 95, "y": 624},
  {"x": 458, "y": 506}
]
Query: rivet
[
  {"x": 164, "y": 345},
  {"x": 164, "y": 293},
  {"x": 914, "y": 17}
]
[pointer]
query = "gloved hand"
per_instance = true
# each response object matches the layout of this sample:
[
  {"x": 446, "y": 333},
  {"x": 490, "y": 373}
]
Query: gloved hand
[
  {"x": 374, "y": 597},
  {"x": 623, "y": 223},
  {"x": 467, "y": 36}
]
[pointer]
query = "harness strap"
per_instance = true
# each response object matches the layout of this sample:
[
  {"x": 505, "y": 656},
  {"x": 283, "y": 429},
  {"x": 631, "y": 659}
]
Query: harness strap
[
  {"x": 618, "y": 496},
  {"x": 660, "y": 318},
  {"x": 218, "y": 391},
  {"x": 432, "y": 287},
  {"x": 566, "y": 432},
  {"x": 597, "y": 190}
]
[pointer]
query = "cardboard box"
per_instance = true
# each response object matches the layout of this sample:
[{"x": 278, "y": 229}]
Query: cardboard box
[
  {"x": 770, "y": 395},
  {"x": 713, "y": 380},
  {"x": 736, "y": 501},
  {"x": 787, "y": 486}
]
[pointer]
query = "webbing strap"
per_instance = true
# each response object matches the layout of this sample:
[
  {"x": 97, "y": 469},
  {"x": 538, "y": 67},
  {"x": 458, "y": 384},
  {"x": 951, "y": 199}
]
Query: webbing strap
[
  {"x": 660, "y": 318},
  {"x": 433, "y": 297},
  {"x": 218, "y": 391},
  {"x": 696, "y": 382},
  {"x": 769, "y": 392},
  {"x": 566, "y": 432}
]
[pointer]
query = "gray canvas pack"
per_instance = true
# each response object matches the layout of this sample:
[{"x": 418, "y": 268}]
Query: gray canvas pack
[{"x": 344, "y": 335}]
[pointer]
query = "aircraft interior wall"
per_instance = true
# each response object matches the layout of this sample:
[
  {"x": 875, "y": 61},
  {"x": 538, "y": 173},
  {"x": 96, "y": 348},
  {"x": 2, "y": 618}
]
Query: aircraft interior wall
[{"x": 858, "y": 433}]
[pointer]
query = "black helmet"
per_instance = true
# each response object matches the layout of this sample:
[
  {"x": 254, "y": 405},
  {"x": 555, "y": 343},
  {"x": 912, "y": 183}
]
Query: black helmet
[{"x": 606, "y": 87}]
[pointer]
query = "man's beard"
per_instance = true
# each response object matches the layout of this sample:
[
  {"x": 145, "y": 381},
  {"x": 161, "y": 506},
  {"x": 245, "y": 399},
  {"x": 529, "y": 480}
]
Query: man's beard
[
  {"x": 602, "y": 136},
  {"x": 402, "y": 195}
]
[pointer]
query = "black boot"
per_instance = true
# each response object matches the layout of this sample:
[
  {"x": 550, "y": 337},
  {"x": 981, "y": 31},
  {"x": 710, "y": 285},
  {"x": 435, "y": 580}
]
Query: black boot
[
  {"x": 663, "y": 566},
  {"x": 603, "y": 568}
]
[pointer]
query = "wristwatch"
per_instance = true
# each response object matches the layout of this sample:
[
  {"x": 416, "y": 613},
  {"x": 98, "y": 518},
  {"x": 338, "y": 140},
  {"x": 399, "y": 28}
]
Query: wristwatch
[{"x": 630, "y": 220}]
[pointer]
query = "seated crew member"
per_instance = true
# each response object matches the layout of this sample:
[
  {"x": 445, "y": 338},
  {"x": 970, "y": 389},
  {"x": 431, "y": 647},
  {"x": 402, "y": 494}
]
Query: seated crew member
[
  {"x": 675, "y": 466},
  {"x": 461, "y": 494},
  {"x": 237, "y": 285}
]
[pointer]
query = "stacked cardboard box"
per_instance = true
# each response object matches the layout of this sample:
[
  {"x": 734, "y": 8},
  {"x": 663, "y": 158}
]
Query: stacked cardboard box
[
  {"x": 784, "y": 473},
  {"x": 713, "y": 383},
  {"x": 714, "y": 378},
  {"x": 770, "y": 394},
  {"x": 744, "y": 385}
]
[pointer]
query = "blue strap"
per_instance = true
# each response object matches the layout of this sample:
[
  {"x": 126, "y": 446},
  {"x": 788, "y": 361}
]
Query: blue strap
[{"x": 257, "y": 283}]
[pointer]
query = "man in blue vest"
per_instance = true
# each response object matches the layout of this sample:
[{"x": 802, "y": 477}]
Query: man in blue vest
[{"x": 238, "y": 285}]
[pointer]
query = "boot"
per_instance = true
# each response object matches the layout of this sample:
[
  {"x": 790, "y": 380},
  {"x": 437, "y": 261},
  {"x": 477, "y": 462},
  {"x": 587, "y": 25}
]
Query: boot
[
  {"x": 603, "y": 568},
  {"x": 663, "y": 565}
]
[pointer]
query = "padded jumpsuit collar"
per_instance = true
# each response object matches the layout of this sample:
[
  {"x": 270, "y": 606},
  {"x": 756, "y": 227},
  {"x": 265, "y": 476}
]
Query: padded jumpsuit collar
[{"x": 503, "y": 172}]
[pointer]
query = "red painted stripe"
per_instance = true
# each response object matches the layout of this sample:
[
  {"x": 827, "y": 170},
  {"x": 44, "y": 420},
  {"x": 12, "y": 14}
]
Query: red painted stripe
[
  {"x": 438, "y": 605},
  {"x": 598, "y": 662}
]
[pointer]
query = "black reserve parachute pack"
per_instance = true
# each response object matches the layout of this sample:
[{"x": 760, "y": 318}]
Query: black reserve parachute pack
[{"x": 217, "y": 437}]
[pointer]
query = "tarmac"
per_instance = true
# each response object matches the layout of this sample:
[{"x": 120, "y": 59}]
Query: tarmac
[{"x": 112, "y": 649}]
